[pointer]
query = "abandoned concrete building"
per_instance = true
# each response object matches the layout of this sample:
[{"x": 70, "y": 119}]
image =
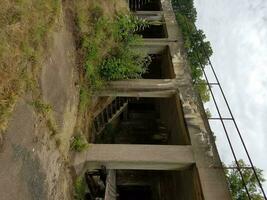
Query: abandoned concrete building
[{"x": 162, "y": 146}]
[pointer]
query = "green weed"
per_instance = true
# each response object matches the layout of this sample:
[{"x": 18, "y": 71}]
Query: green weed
[
  {"x": 41, "y": 107},
  {"x": 107, "y": 47},
  {"x": 79, "y": 188},
  {"x": 198, "y": 49},
  {"x": 79, "y": 143},
  {"x": 85, "y": 99}
]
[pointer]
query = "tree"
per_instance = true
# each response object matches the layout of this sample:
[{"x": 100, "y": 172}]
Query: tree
[
  {"x": 236, "y": 185},
  {"x": 186, "y": 8}
]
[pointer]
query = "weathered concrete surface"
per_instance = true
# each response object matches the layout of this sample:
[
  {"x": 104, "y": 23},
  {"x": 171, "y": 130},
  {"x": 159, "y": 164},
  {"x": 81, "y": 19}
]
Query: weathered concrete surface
[
  {"x": 111, "y": 186},
  {"x": 32, "y": 167},
  {"x": 20, "y": 170},
  {"x": 156, "y": 94},
  {"x": 121, "y": 156},
  {"x": 212, "y": 181},
  {"x": 140, "y": 88},
  {"x": 208, "y": 176},
  {"x": 58, "y": 84}
]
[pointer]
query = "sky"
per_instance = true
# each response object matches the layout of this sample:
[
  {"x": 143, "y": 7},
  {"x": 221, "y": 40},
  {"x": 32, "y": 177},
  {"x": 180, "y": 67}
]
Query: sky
[{"x": 237, "y": 30}]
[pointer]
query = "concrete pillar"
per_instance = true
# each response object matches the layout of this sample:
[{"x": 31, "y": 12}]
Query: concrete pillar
[
  {"x": 146, "y": 157},
  {"x": 111, "y": 186}
]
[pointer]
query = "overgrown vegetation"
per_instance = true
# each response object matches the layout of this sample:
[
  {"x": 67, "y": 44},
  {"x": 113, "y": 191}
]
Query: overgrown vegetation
[
  {"x": 24, "y": 27},
  {"x": 198, "y": 49},
  {"x": 236, "y": 186},
  {"x": 79, "y": 143},
  {"x": 106, "y": 42},
  {"x": 41, "y": 107},
  {"x": 45, "y": 111},
  {"x": 79, "y": 188}
]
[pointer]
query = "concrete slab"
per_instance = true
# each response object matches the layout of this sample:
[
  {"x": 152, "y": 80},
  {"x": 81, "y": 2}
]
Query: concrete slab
[{"x": 121, "y": 156}]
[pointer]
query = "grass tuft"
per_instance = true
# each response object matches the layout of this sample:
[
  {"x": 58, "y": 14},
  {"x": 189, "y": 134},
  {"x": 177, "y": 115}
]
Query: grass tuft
[
  {"x": 79, "y": 143},
  {"x": 41, "y": 107},
  {"x": 79, "y": 188}
]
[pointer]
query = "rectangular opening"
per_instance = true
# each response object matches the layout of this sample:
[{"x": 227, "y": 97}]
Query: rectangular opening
[
  {"x": 145, "y": 5},
  {"x": 134, "y": 192},
  {"x": 141, "y": 121},
  {"x": 161, "y": 66},
  {"x": 144, "y": 184},
  {"x": 154, "y": 31}
]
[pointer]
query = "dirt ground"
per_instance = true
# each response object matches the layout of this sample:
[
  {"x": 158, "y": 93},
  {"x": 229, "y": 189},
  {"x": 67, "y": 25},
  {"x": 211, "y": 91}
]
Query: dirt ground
[{"x": 34, "y": 163}]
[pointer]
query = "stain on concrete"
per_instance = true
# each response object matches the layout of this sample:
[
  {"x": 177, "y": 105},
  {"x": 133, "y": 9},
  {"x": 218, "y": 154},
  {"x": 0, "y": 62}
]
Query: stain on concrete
[{"x": 31, "y": 172}]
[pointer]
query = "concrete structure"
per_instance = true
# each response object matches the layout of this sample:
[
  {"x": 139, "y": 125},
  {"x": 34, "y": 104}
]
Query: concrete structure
[
  {"x": 151, "y": 157},
  {"x": 164, "y": 129}
]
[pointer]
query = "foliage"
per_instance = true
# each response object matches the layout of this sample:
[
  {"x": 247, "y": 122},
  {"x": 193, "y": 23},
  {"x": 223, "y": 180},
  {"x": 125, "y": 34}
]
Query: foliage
[
  {"x": 197, "y": 48},
  {"x": 24, "y": 29},
  {"x": 45, "y": 110},
  {"x": 208, "y": 113},
  {"x": 41, "y": 107},
  {"x": 79, "y": 188},
  {"x": 186, "y": 8},
  {"x": 79, "y": 143},
  {"x": 106, "y": 47},
  {"x": 127, "y": 64},
  {"x": 126, "y": 25},
  {"x": 236, "y": 185},
  {"x": 124, "y": 61},
  {"x": 84, "y": 98}
]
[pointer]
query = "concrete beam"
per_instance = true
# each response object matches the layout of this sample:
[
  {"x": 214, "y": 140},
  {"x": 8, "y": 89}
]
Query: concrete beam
[
  {"x": 150, "y": 15},
  {"x": 140, "y": 88},
  {"x": 111, "y": 186},
  {"x": 158, "y": 41},
  {"x": 157, "y": 94},
  {"x": 146, "y": 157}
]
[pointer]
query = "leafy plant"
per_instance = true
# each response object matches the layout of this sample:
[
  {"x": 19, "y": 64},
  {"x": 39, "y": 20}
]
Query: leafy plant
[
  {"x": 236, "y": 185},
  {"x": 127, "y": 64},
  {"x": 41, "y": 107},
  {"x": 208, "y": 113},
  {"x": 197, "y": 48},
  {"x": 85, "y": 98},
  {"x": 127, "y": 26},
  {"x": 79, "y": 188},
  {"x": 79, "y": 143},
  {"x": 108, "y": 48}
]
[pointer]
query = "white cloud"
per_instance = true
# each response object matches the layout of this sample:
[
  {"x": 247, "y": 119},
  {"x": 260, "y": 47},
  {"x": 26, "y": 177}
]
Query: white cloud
[{"x": 237, "y": 30}]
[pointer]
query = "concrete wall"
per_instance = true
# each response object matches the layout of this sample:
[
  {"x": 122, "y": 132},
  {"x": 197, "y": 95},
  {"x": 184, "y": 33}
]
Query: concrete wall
[
  {"x": 183, "y": 111},
  {"x": 171, "y": 113}
]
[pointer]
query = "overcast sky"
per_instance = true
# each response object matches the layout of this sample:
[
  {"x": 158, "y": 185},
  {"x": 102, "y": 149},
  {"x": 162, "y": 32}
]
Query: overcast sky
[{"x": 237, "y": 30}]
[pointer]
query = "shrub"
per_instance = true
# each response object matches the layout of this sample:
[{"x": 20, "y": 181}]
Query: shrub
[
  {"x": 127, "y": 64},
  {"x": 197, "y": 48},
  {"x": 84, "y": 98},
  {"x": 127, "y": 25},
  {"x": 79, "y": 143},
  {"x": 79, "y": 188},
  {"x": 108, "y": 47},
  {"x": 41, "y": 107}
]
